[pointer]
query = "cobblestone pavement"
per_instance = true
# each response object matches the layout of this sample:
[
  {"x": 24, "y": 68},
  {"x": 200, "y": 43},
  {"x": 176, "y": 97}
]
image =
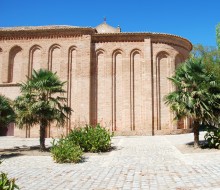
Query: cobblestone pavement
[{"x": 137, "y": 163}]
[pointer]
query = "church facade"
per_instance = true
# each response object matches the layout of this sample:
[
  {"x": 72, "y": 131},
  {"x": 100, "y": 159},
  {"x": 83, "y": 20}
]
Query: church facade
[{"x": 114, "y": 78}]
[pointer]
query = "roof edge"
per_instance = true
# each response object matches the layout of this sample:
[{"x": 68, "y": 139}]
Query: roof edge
[
  {"x": 145, "y": 34},
  {"x": 46, "y": 27}
]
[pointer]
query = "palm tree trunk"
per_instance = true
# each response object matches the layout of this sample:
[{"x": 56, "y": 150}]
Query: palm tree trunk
[
  {"x": 196, "y": 134},
  {"x": 42, "y": 135}
]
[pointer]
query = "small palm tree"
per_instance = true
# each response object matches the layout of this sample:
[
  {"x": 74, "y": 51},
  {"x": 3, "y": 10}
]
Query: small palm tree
[
  {"x": 7, "y": 114},
  {"x": 197, "y": 95},
  {"x": 42, "y": 102}
]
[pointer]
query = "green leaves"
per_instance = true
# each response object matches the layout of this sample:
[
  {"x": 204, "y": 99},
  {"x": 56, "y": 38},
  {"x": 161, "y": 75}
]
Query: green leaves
[
  {"x": 42, "y": 101},
  {"x": 197, "y": 92},
  {"x": 66, "y": 151},
  {"x": 7, "y": 114},
  {"x": 7, "y": 184},
  {"x": 42, "y": 98},
  {"x": 87, "y": 139},
  {"x": 213, "y": 137},
  {"x": 91, "y": 139},
  {"x": 218, "y": 35}
]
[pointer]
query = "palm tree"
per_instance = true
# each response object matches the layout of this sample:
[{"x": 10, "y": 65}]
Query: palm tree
[
  {"x": 7, "y": 114},
  {"x": 197, "y": 95},
  {"x": 24, "y": 111},
  {"x": 42, "y": 102}
]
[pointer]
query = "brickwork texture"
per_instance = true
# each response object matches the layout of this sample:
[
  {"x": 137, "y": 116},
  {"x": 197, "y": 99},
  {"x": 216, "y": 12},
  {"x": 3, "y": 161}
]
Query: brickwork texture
[{"x": 114, "y": 78}]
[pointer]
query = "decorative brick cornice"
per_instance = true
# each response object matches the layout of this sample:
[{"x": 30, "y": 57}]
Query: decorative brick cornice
[
  {"x": 40, "y": 32},
  {"x": 139, "y": 37}
]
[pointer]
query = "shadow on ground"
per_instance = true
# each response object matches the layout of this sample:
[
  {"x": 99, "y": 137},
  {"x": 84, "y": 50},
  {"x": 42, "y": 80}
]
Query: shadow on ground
[
  {"x": 24, "y": 151},
  {"x": 35, "y": 151},
  {"x": 203, "y": 144}
]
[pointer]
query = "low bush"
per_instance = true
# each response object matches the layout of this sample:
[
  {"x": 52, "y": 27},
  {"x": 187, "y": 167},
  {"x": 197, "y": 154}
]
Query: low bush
[
  {"x": 213, "y": 137},
  {"x": 66, "y": 151},
  {"x": 91, "y": 139}
]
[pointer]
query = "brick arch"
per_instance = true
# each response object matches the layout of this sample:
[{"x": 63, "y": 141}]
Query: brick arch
[
  {"x": 163, "y": 87},
  {"x": 54, "y": 46},
  {"x": 35, "y": 47},
  {"x": 15, "y": 70},
  {"x": 72, "y": 84},
  {"x": 50, "y": 54},
  {"x": 117, "y": 51},
  {"x": 70, "y": 57},
  {"x": 54, "y": 59},
  {"x": 178, "y": 60},
  {"x": 120, "y": 91},
  {"x": 136, "y": 51},
  {"x": 135, "y": 89},
  {"x": 35, "y": 58},
  {"x": 99, "y": 51},
  {"x": 162, "y": 54},
  {"x": 103, "y": 88},
  {"x": 72, "y": 48}
]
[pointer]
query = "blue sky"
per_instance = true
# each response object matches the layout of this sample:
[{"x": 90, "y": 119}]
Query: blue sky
[{"x": 192, "y": 19}]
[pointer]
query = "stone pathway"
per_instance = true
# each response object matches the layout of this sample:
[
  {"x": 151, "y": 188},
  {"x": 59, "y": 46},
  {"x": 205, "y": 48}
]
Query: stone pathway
[{"x": 137, "y": 163}]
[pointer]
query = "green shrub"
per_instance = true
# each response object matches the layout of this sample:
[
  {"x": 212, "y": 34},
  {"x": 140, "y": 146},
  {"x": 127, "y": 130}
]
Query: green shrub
[
  {"x": 78, "y": 137},
  {"x": 91, "y": 139},
  {"x": 213, "y": 137},
  {"x": 7, "y": 184},
  {"x": 66, "y": 151}
]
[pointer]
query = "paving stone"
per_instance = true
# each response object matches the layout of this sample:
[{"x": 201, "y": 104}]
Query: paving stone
[{"x": 143, "y": 162}]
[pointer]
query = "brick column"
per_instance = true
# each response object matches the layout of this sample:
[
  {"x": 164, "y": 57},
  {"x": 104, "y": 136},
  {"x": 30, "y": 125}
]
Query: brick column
[{"x": 83, "y": 76}]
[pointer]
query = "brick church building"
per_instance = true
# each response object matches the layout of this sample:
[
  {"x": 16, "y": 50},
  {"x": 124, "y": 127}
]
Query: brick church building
[{"x": 114, "y": 78}]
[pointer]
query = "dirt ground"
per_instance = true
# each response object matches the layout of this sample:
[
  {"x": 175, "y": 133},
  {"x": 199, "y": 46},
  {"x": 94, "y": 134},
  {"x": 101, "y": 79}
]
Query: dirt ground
[
  {"x": 189, "y": 149},
  {"x": 28, "y": 151}
]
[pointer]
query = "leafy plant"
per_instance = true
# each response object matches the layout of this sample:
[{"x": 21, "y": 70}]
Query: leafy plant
[
  {"x": 196, "y": 95},
  {"x": 66, "y": 151},
  {"x": 7, "y": 114},
  {"x": 7, "y": 184},
  {"x": 42, "y": 102},
  {"x": 91, "y": 139},
  {"x": 213, "y": 137}
]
